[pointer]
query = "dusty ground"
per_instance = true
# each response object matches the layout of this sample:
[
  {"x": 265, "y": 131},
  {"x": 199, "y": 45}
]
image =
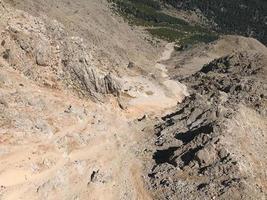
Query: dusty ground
[
  {"x": 155, "y": 92},
  {"x": 58, "y": 144}
]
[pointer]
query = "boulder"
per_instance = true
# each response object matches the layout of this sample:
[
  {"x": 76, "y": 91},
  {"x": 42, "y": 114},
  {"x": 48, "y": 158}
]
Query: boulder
[
  {"x": 206, "y": 156},
  {"x": 42, "y": 53}
]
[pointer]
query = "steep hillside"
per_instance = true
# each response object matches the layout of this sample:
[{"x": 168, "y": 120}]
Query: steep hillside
[
  {"x": 242, "y": 17},
  {"x": 43, "y": 51},
  {"x": 129, "y": 99},
  {"x": 151, "y": 15},
  {"x": 214, "y": 145},
  {"x": 66, "y": 121},
  {"x": 104, "y": 33}
]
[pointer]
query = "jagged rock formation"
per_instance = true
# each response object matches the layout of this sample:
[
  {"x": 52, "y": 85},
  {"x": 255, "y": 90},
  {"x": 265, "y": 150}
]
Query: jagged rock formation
[
  {"x": 56, "y": 145},
  {"x": 43, "y": 51},
  {"x": 214, "y": 145},
  {"x": 241, "y": 76},
  {"x": 82, "y": 75}
]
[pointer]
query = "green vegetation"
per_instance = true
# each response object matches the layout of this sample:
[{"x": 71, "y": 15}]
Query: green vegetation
[
  {"x": 167, "y": 34},
  {"x": 244, "y": 17},
  {"x": 148, "y": 13}
]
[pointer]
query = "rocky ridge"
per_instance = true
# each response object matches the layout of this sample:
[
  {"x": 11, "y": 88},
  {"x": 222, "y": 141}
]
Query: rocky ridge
[
  {"x": 43, "y": 51},
  {"x": 63, "y": 132},
  {"x": 56, "y": 144},
  {"x": 213, "y": 146}
]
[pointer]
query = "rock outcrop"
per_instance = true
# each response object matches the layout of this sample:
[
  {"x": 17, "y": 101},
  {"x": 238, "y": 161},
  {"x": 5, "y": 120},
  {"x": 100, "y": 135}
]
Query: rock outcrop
[
  {"x": 82, "y": 75},
  {"x": 214, "y": 145},
  {"x": 43, "y": 51}
]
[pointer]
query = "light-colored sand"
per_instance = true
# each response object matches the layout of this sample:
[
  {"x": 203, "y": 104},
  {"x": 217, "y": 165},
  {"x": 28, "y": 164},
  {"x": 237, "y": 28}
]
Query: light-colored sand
[
  {"x": 89, "y": 152},
  {"x": 154, "y": 94},
  {"x": 55, "y": 145}
]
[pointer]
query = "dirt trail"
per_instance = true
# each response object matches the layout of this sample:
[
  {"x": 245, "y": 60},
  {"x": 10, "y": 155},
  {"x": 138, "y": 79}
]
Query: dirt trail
[
  {"x": 154, "y": 94},
  {"x": 55, "y": 145},
  {"x": 72, "y": 149},
  {"x": 102, "y": 168}
]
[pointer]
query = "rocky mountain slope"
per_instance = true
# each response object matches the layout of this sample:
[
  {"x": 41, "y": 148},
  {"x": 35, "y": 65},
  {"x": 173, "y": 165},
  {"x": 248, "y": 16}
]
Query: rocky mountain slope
[
  {"x": 213, "y": 146},
  {"x": 56, "y": 144},
  {"x": 66, "y": 120},
  {"x": 42, "y": 51},
  {"x": 96, "y": 107},
  {"x": 186, "y": 63},
  {"x": 104, "y": 33}
]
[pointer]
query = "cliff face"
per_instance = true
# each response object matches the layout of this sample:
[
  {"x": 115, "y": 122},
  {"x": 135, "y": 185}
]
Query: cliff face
[{"x": 243, "y": 17}]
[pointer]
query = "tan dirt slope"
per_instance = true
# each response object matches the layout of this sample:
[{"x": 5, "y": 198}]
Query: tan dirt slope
[
  {"x": 188, "y": 62},
  {"x": 54, "y": 144},
  {"x": 112, "y": 41},
  {"x": 73, "y": 117}
]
